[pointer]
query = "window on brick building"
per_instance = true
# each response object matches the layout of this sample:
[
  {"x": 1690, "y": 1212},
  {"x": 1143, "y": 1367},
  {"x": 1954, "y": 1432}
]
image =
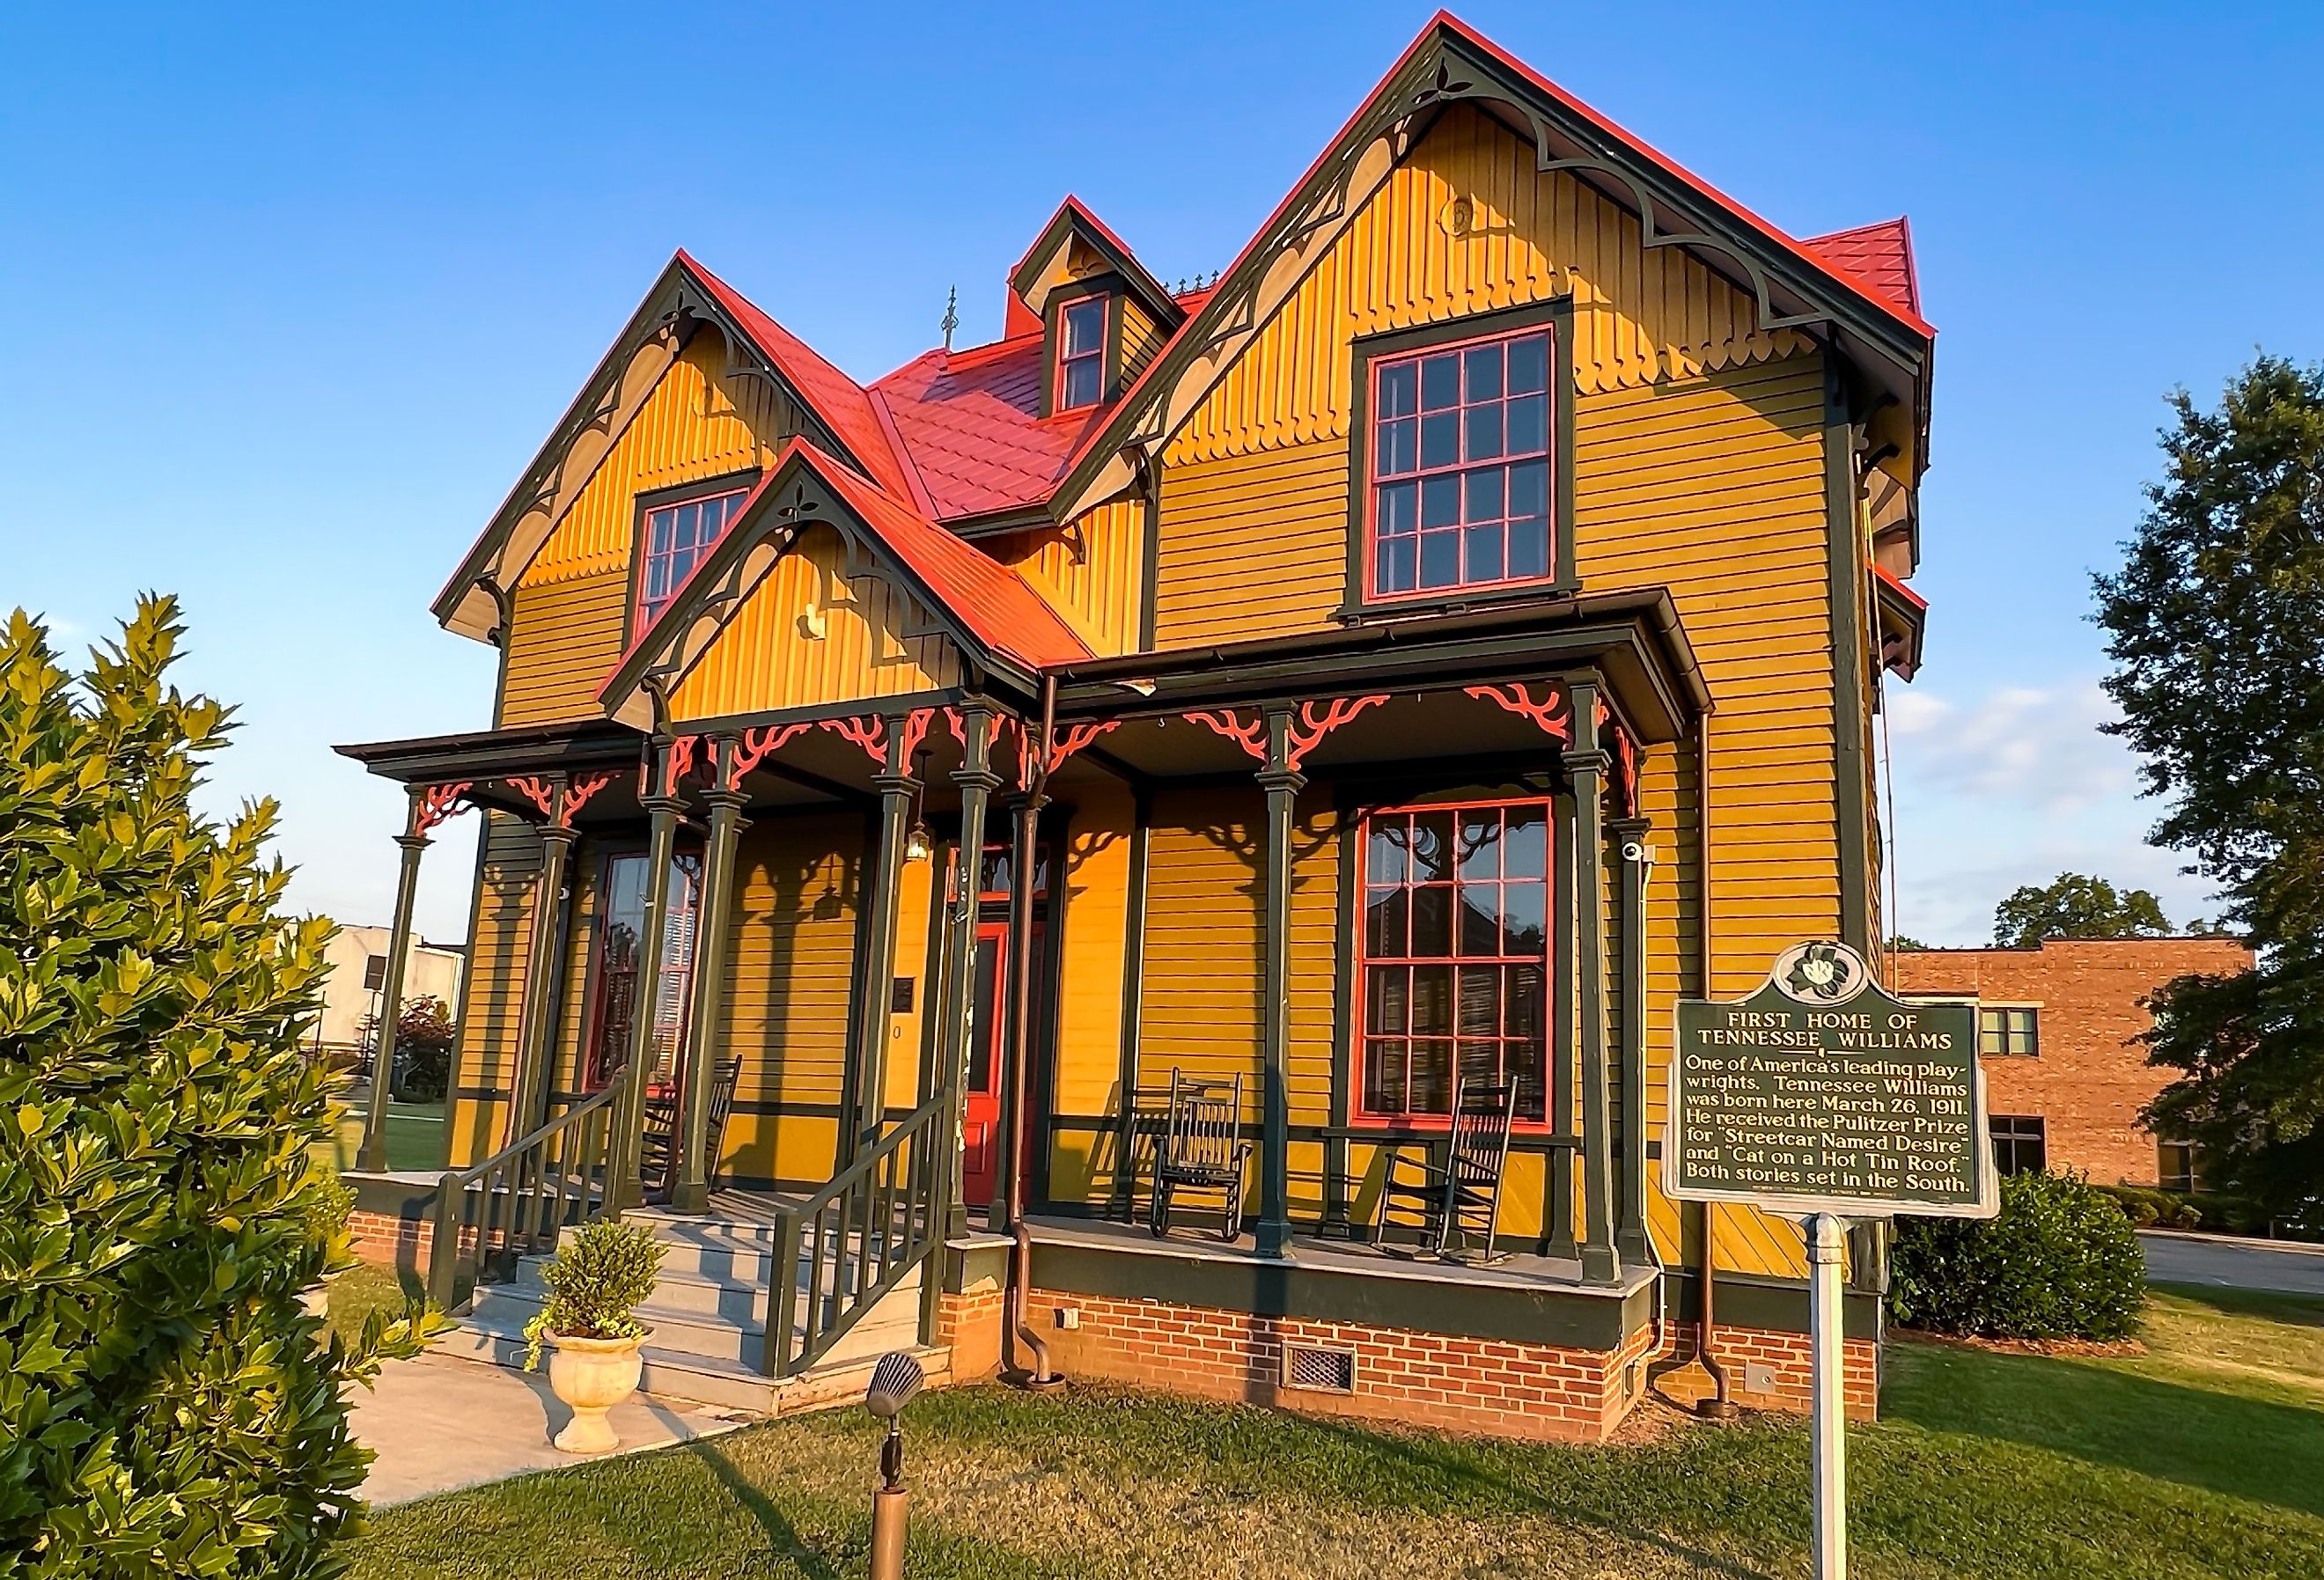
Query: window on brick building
[
  {"x": 2020, "y": 1143},
  {"x": 2006, "y": 1030},
  {"x": 2175, "y": 1167}
]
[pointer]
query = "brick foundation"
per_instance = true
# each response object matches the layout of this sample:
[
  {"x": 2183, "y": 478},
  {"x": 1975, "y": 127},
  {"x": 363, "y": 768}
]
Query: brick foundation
[
  {"x": 1742, "y": 1350},
  {"x": 1452, "y": 1383},
  {"x": 390, "y": 1241},
  {"x": 1538, "y": 1392},
  {"x": 969, "y": 1325}
]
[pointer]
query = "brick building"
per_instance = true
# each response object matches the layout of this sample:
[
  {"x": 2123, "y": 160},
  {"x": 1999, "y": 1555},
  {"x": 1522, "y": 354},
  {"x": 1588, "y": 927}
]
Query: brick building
[{"x": 2065, "y": 1079}]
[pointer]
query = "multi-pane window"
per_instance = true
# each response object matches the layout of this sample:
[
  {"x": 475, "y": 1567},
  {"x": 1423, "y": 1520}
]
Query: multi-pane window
[
  {"x": 2175, "y": 1167},
  {"x": 2020, "y": 1145},
  {"x": 621, "y": 929},
  {"x": 675, "y": 537},
  {"x": 2004, "y": 1030},
  {"x": 1461, "y": 467},
  {"x": 1081, "y": 354},
  {"x": 1454, "y": 954}
]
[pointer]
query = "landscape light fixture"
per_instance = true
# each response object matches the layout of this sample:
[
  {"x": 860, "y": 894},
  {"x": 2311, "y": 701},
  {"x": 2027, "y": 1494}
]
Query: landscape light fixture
[{"x": 896, "y": 1381}]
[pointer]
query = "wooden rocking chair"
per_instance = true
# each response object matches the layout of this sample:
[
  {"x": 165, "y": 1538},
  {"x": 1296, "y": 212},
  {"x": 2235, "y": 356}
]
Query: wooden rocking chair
[
  {"x": 1201, "y": 1149},
  {"x": 1459, "y": 1200},
  {"x": 658, "y": 1152}
]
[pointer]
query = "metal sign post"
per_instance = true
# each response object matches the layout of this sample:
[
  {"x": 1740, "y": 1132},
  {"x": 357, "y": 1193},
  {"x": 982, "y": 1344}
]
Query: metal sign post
[{"x": 1822, "y": 1097}]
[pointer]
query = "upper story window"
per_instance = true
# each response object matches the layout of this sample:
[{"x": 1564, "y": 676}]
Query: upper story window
[
  {"x": 675, "y": 537},
  {"x": 2006, "y": 1030},
  {"x": 1461, "y": 467},
  {"x": 1453, "y": 956},
  {"x": 1081, "y": 354}
]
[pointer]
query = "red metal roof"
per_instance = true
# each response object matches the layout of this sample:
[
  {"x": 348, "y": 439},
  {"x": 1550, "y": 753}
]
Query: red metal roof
[
  {"x": 844, "y": 405},
  {"x": 972, "y": 422},
  {"x": 1881, "y": 256},
  {"x": 985, "y": 596}
]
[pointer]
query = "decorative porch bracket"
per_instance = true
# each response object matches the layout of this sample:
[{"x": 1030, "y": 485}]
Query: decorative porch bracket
[{"x": 429, "y": 805}]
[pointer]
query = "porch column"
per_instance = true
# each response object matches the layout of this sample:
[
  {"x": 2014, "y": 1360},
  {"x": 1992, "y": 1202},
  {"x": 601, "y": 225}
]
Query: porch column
[
  {"x": 1023, "y": 851},
  {"x": 1632, "y": 834},
  {"x": 1586, "y": 774},
  {"x": 1282, "y": 783},
  {"x": 626, "y": 1189},
  {"x": 536, "y": 1021},
  {"x": 372, "y": 1156},
  {"x": 977, "y": 782},
  {"x": 706, "y": 1022},
  {"x": 863, "y": 1106}
]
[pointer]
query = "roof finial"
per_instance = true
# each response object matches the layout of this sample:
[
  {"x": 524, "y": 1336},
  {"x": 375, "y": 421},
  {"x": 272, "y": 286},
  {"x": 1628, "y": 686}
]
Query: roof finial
[{"x": 952, "y": 315}]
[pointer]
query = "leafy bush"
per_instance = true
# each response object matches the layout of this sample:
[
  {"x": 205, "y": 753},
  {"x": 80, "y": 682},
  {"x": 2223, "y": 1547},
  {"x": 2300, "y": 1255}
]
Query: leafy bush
[
  {"x": 165, "y": 1407},
  {"x": 2060, "y": 1261},
  {"x": 596, "y": 1281},
  {"x": 424, "y": 1035}
]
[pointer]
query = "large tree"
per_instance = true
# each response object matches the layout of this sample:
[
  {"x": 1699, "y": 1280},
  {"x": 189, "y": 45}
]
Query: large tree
[
  {"x": 2074, "y": 906},
  {"x": 2216, "y": 625},
  {"x": 165, "y": 1409}
]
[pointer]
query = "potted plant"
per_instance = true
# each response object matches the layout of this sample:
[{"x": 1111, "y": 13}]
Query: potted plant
[{"x": 596, "y": 1283}]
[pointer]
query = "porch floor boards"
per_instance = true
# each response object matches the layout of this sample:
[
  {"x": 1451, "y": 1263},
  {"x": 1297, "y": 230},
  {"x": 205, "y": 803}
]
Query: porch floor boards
[{"x": 1519, "y": 1271}]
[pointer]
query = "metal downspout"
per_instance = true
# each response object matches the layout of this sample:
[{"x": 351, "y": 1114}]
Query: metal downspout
[{"x": 1014, "y": 1329}]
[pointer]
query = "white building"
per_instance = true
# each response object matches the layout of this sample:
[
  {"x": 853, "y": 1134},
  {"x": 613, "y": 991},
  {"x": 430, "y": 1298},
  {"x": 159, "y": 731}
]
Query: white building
[{"x": 351, "y": 996}]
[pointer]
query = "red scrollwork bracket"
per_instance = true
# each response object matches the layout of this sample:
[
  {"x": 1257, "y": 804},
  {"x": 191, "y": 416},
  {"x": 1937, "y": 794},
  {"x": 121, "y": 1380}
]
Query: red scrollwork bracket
[
  {"x": 577, "y": 794},
  {"x": 1551, "y": 711},
  {"x": 436, "y": 804},
  {"x": 994, "y": 726},
  {"x": 1312, "y": 722},
  {"x": 870, "y": 732},
  {"x": 540, "y": 792},
  {"x": 1073, "y": 738},
  {"x": 1229, "y": 725},
  {"x": 754, "y": 744}
]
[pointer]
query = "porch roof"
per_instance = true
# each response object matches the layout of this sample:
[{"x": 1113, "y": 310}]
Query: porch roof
[{"x": 1634, "y": 638}]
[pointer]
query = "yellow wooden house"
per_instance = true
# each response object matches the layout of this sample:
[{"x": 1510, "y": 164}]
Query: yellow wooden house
[{"x": 1397, "y": 668}]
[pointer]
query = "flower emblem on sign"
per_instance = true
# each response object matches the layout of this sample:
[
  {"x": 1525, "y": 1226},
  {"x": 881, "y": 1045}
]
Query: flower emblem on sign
[{"x": 1820, "y": 973}]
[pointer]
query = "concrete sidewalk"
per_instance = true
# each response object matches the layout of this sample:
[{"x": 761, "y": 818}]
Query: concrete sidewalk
[{"x": 438, "y": 1423}]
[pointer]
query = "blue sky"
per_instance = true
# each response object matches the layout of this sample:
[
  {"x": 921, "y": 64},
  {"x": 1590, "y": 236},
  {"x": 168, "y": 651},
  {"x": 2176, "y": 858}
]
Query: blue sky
[{"x": 296, "y": 291}]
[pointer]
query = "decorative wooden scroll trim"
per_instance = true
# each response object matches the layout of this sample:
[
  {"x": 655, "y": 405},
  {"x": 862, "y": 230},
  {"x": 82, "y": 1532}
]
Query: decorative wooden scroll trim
[
  {"x": 1073, "y": 738},
  {"x": 436, "y": 804},
  {"x": 1311, "y": 724},
  {"x": 751, "y": 749},
  {"x": 871, "y": 733},
  {"x": 1623, "y": 782},
  {"x": 1551, "y": 711},
  {"x": 577, "y": 794},
  {"x": 1227, "y": 722},
  {"x": 960, "y": 730},
  {"x": 915, "y": 730},
  {"x": 540, "y": 792}
]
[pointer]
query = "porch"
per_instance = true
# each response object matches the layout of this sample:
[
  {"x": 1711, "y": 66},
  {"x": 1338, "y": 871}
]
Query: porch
[{"x": 933, "y": 1022}]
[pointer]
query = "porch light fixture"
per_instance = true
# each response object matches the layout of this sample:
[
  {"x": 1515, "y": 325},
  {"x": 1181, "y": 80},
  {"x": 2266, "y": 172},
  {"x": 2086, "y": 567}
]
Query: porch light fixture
[{"x": 917, "y": 844}]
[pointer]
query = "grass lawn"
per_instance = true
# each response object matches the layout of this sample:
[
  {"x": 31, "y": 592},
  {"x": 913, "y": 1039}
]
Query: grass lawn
[
  {"x": 2203, "y": 1457},
  {"x": 415, "y": 1136},
  {"x": 367, "y": 1288}
]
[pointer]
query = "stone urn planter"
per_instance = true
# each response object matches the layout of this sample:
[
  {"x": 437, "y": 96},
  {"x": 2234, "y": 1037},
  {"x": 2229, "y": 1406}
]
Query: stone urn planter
[
  {"x": 591, "y": 1376},
  {"x": 596, "y": 1282}
]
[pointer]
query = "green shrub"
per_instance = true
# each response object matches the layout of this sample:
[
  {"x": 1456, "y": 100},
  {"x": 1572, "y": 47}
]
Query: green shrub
[
  {"x": 165, "y": 1406},
  {"x": 596, "y": 1281},
  {"x": 2060, "y": 1261}
]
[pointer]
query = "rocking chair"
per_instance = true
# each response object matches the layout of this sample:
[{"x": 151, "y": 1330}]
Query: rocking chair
[
  {"x": 658, "y": 1151},
  {"x": 1201, "y": 1149},
  {"x": 1457, "y": 1200}
]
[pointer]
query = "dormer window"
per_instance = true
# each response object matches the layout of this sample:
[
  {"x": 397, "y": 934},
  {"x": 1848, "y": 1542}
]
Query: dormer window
[
  {"x": 1081, "y": 354},
  {"x": 673, "y": 537}
]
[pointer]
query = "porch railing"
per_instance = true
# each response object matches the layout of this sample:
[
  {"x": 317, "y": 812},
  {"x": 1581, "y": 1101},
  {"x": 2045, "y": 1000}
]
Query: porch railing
[
  {"x": 515, "y": 1201},
  {"x": 853, "y": 1241}
]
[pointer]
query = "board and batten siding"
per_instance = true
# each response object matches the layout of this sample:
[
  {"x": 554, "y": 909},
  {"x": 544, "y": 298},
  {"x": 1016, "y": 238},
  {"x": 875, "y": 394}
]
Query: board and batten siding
[{"x": 564, "y": 639}]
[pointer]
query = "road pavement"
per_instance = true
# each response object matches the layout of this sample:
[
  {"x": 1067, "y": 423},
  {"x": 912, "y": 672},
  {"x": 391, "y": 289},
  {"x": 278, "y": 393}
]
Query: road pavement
[{"x": 2238, "y": 1264}]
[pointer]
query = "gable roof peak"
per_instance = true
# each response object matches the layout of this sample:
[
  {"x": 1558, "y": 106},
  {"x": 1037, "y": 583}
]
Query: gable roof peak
[{"x": 1044, "y": 266}]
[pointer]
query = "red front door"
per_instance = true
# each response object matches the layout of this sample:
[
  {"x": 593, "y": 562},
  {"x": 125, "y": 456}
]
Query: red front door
[{"x": 988, "y": 1061}]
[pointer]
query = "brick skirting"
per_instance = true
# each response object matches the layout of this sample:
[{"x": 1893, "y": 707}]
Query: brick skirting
[
  {"x": 394, "y": 1241},
  {"x": 969, "y": 1326},
  {"x": 1487, "y": 1386}
]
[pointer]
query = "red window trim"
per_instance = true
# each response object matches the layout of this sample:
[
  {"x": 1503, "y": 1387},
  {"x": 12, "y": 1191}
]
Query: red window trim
[
  {"x": 1553, "y": 393},
  {"x": 1057, "y": 407},
  {"x": 643, "y": 616},
  {"x": 1358, "y": 1115}
]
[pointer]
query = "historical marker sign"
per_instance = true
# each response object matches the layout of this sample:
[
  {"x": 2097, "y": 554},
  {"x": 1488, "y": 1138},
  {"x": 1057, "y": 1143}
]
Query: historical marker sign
[{"x": 1821, "y": 1093}]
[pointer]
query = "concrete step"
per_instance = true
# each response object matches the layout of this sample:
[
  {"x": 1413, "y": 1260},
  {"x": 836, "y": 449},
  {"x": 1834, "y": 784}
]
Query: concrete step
[{"x": 495, "y": 1335}]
